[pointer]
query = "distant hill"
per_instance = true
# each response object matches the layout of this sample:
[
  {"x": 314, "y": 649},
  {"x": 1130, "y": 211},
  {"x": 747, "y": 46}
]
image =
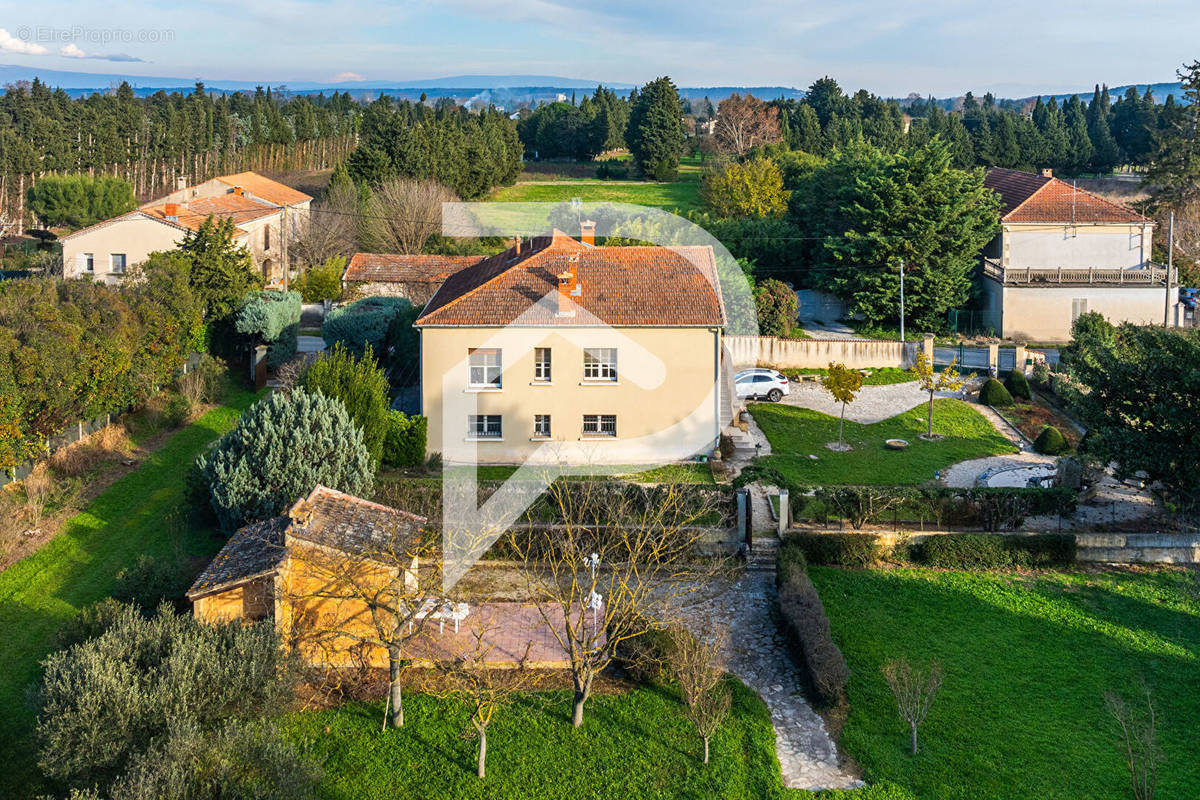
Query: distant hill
[{"x": 1160, "y": 91}]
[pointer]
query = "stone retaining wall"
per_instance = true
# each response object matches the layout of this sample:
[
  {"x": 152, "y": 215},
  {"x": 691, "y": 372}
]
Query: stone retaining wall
[
  {"x": 1138, "y": 548},
  {"x": 749, "y": 351}
]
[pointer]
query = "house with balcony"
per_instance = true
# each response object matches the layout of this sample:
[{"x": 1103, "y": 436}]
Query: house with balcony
[
  {"x": 265, "y": 214},
  {"x": 1063, "y": 251},
  {"x": 556, "y": 351}
]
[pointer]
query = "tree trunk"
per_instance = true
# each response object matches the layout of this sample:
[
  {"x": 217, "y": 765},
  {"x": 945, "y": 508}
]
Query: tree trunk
[
  {"x": 577, "y": 713},
  {"x": 482, "y": 752},
  {"x": 930, "y": 431},
  {"x": 705, "y": 749},
  {"x": 914, "y": 740},
  {"x": 841, "y": 428},
  {"x": 395, "y": 689}
]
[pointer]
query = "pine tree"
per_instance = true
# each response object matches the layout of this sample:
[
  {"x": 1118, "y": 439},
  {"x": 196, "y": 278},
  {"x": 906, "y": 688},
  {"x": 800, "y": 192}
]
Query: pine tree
[
  {"x": 1105, "y": 153},
  {"x": 1176, "y": 167},
  {"x": 655, "y": 130},
  {"x": 1079, "y": 146}
]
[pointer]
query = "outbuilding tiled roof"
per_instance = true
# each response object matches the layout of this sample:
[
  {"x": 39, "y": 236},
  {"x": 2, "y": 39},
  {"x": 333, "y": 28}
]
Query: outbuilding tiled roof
[
  {"x": 269, "y": 190},
  {"x": 1027, "y": 197},
  {"x": 404, "y": 268},
  {"x": 621, "y": 286},
  {"x": 251, "y": 552},
  {"x": 326, "y": 517}
]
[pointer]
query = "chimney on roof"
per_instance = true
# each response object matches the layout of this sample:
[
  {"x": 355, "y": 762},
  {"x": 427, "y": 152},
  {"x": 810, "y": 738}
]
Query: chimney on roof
[
  {"x": 517, "y": 246},
  {"x": 1047, "y": 173},
  {"x": 181, "y": 183},
  {"x": 565, "y": 308},
  {"x": 171, "y": 211},
  {"x": 239, "y": 191},
  {"x": 587, "y": 232}
]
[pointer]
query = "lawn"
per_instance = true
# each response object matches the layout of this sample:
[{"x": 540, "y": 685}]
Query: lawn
[
  {"x": 78, "y": 567},
  {"x": 1027, "y": 660},
  {"x": 632, "y": 745},
  {"x": 796, "y": 433}
]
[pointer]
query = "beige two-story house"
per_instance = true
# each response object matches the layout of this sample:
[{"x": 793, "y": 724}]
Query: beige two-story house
[
  {"x": 557, "y": 351},
  {"x": 1062, "y": 252},
  {"x": 265, "y": 214}
]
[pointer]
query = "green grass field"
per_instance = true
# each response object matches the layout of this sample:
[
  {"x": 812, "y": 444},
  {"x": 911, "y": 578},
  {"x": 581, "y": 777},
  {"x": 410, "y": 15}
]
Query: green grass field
[
  {"x": 632, "y": 745},
  {"x": 1027, "y": 660},
  {"x": 79, "y": 566},
  {"x": 795, "y": 433}
]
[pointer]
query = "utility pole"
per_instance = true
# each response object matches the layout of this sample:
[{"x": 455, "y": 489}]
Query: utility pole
[
  {"x": 1170, "y": 264},
  {"x": 902, "y": 300}
]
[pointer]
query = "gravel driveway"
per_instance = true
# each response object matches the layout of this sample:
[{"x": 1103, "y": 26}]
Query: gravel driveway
[{"x": 874, "y": 403}]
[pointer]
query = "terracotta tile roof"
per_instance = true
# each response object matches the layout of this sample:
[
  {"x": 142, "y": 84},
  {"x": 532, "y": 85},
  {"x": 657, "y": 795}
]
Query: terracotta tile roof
[
  {"x": 326, "y": 517},
  {"x": 253, "y": 551},
  {"x": 186, "y": 218},
  {"x": 1026, "y": 197},
  {"x": 626, "y": 286},
  {"x": 239, "y": 208},
  {"x": 402, "y": 268},
  {"x": 269, "y": 190},
  {"x": 342, "y": 521}
]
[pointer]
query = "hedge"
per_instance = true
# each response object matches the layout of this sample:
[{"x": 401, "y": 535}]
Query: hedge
[
  {"x": 993, "y": 393},
  {"x": 274, "y": 318},
  {"x": 972, "y": 551},
  {"x": 363, "y": 323},
  {"x": 990, "y": 508},
  {"x": 1017, "y": 385},
  {"x": 807, "y": 625},
  {"x": 404, "y": 444},
  {"x": 836, "y": 549}
]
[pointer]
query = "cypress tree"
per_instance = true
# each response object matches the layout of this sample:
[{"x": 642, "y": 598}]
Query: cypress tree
[{"x": 655, "y": 131}]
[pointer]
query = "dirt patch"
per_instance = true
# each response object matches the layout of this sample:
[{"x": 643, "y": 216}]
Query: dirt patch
[{"x": 1031, "y": 417}]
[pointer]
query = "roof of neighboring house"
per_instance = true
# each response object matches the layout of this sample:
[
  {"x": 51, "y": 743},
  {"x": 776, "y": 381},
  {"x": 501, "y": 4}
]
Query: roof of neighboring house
[
  {"x": 620, "y": 286},
  {"x": 185, "y": 221},
  {"x": 253, "y": 551},
  {"x": 326, "y": 517},
  {"x": 1029, "y": 197},
  {"x": 403, "y": 268},
  {"x": 269, "y": 190}
]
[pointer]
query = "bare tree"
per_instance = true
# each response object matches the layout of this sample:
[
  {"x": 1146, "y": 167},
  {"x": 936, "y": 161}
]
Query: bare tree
[
  {"x": 694, "y": 661},
  {"x": 914, "y": 689},
  {"x": 616, "y": 562},
  {"x": 1138, "y": 729},
  {"x": 404, "y": 213},
  {"x": 330, "y": 229},
  {"x": 744, "y": 123},
  {"x": 486, "y": 687},
  {"x": 366, "y": 600}
]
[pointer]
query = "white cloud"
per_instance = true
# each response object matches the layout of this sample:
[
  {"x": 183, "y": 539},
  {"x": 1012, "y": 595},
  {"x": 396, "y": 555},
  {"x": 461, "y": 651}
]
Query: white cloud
[
  {"x": 342, "y": 77},
  {"x": 12, "y": 44},
  {"x": 72, "y": 51}
]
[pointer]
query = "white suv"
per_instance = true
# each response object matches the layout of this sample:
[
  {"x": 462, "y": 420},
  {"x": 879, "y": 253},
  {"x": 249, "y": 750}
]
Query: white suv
[{"x": 759, "y": 383}]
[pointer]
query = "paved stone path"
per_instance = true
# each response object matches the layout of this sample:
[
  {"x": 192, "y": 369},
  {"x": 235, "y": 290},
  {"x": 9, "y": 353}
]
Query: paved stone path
[{"x": 760, "y": 658}]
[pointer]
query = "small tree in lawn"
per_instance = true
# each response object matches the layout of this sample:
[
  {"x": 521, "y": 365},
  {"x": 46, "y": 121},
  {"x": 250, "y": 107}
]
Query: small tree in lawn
[
  {"x": 1138, "y": 741},
  {"x": 930, "y": 380},
  {"x": 694, "y": 663},
  {"x": 914, "y": 689},
  {"x": 486, "y": 689},
  {"x": 843, "y": 383}
]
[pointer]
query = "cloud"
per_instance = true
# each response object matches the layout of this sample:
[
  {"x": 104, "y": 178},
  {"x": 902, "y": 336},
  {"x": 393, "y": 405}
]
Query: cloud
[
  {"x": 73, "y": 51},
  {"x": 343, "y": 77},
  {"x": 12, "y": 44}
]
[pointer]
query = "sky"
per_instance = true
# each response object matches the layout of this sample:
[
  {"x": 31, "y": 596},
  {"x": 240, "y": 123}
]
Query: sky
[{"x": 939, "y": 47}]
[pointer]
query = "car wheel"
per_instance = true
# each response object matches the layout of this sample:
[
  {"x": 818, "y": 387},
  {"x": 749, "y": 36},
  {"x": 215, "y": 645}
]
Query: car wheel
[{"x": 775, "y": 395}]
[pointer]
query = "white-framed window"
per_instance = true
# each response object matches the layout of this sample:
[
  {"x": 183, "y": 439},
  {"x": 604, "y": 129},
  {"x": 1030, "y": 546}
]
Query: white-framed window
[
  {"x": 485, "y": 367},
  {"x": 600, "y": 425},
  {"x": 86, "y": 262},
  {"x": 600, "y": 364},
  {"x": 1078, "y": 308},
  {"x": 541, "y": 426},
  {"x": 484, "y": 426},
  {"x": 541, "y": 364},
  {"x": 116, "y": 263}
]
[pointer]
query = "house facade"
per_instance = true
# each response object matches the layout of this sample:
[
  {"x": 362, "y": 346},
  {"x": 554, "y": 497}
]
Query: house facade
[
  {"x": 1062, "y": 252},
  {"x": 558, "y": 351},
  {"x": 265, "y": 214},
  {"x": 413, "y": 277}
]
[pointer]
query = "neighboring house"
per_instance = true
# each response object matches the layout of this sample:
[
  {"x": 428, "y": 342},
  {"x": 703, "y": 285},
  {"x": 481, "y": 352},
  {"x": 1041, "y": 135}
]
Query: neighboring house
[
  {"x": 414, "y": 277},
  {"x": 1063, "y": 251},
  {"x": 265, "y": 212},
  {"x": 277, "y": 570},
  {"x": 557, "y": 351}
]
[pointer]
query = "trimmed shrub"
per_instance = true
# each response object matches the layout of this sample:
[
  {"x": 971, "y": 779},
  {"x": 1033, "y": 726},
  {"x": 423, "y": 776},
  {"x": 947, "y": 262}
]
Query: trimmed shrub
[
  {"x": 837, "y": 549},
  {"x": 109, "y": 699},
  {"x": 363, "y": 323},
  {"x": 281, "y": 448},
  {"x": 360, "y": 385},
  {"x": 1051, "y": 442},
  {"x": 807, "y": 624},
  {"x": 993, "y": 393},
  {"x": 972, "y": 551},
  {"x": 404, "y": 445},
  {"x": 1017, "y": 385},
  {"x": 274, "y": 318}
]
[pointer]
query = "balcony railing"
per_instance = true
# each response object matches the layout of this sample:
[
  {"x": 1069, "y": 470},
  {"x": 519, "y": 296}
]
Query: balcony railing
[{"x": 1150, "y": 275}]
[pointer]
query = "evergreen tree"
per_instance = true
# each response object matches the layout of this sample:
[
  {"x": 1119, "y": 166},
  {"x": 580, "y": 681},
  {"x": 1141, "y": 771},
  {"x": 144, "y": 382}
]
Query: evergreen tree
[
  {"x": 1176, "y": 167},
  {"x": 1079, "y": 145},
  {"x": 655, "y": 130},
  {"x": 1105, "y": 153},
  {"x": 222, "y": 271}
]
